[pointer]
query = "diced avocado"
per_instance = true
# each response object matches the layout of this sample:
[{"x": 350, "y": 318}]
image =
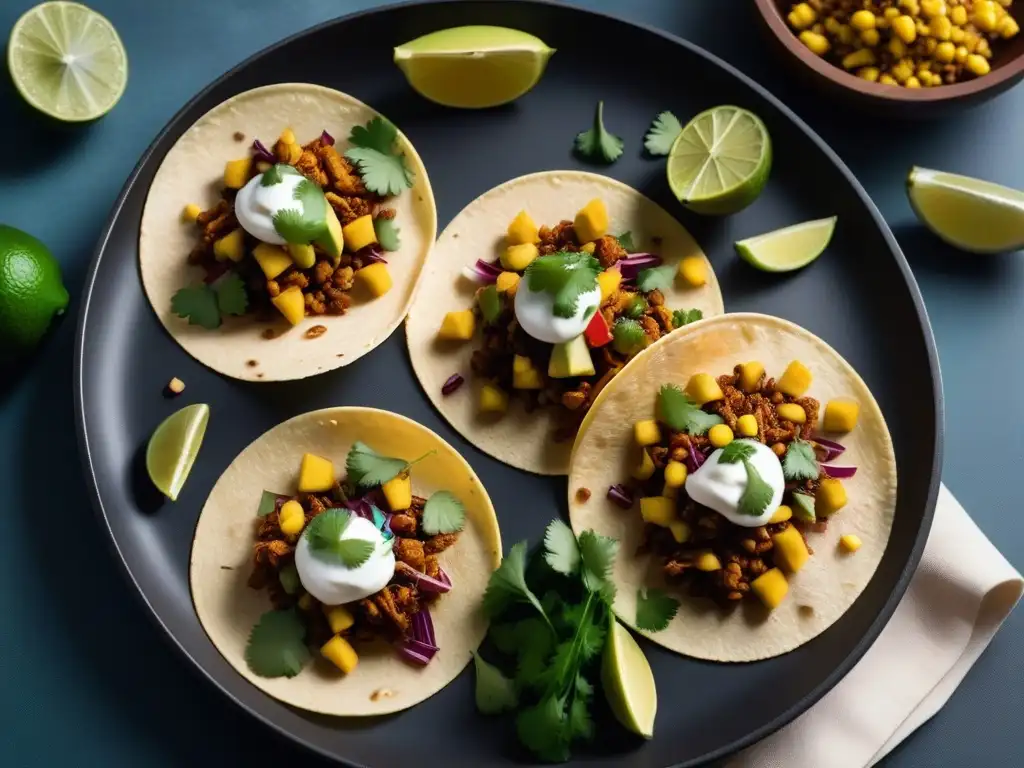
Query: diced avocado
[
  {"x": 803, "y": 507},
  {"x": 302, "y": 254},
  {"x": 272, "y": 259},
  {"x": 360, "y": 233},
  {"x": 332, "y": 239},
  {"x": 490, "y": 304},
  {"x": 570, "y": 358}
]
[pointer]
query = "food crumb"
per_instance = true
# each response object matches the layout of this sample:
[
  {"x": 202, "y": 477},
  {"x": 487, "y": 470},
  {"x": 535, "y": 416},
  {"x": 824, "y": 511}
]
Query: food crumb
[
  {"x": 340, "y": 355},
  {"x": 226, "y": 568},
  {"x": 259, "y": 375},
  {"x": 175, "y": 386},
  {"x": 239, "y": 136},
  {"x": 252, "y": 363},
  {"x": 806, "y": 611},
  {"x": 316, "y": 331},
  {"x": 381, "y": 693},
  {"x": 583, "y": 495},
  {"x": 269, "y": 333},
  {"x": 333, "y": 422},
  {"x": 455, "y": 235}
]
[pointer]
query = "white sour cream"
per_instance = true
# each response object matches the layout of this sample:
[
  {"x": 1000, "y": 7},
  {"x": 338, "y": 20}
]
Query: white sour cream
[
  {"x": 333, "y": 583},
  {"x": 720, "y": 486},
  {"x": 256, "y": 205},
  {"x": 536, "y": 316}
]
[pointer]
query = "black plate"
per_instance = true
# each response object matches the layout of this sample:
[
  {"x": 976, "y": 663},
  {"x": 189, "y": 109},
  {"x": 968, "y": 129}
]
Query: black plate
[{"x": 859, "y": 296}]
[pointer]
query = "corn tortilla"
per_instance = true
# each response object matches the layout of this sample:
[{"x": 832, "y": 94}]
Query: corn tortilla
[
  {"x": 831, "y": 580},
  {"x": 228, "y": 608}
]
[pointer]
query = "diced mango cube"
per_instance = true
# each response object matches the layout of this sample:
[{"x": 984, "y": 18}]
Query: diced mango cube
[
  {"x": 316, "y": 474},
  {"x": 398, "y": 493},
  {"x": 658, "y": 510},
  {"x": 669, "y": 492},
  {"x": 231, "y": 247},
  {"x": 493, "y": 399},
  {"x": 508, "y": 282},
  {"x": 646, "y": 432},
  {"x": 522, "y": 230},
  {"x": 790, "y": 550},
  {"x": 375, "y": 278},
  {"x": 830, "y": 498},
  {"x": 645, "y": 469},
  {"x": 588, "y": 248},
  {"x": 771, "y": 587},
  {"x": 840, "y": 415},
  {"x": 703, "y": 388},
  {"x": 339, "y": 618},
  {"x": 746, "y": 425},
  {"x": 720, "y": 435},
  {"x": 707, "y": 561},
  {"x": 359, "y": 233},
  {"x": 591, "y": 221},
  {"x": 750, "y": 376},
  {"x": 795, "y": 380},
  {"x": 675, "y": 474},
  {"x": 850, "y": 542},
  {"x": 458, "y": 326},
  {"x": 190, "y": 212},
  {"x": 291, "y": 518},
  {"x": 781, "y": 515},
  {"x": 680, "y": 531},
  {"x": 287, "y": 136},
  {"x": 518, "y": 257},
  {"x": 792, "y": 412},
  {"x": 291, "y": 304},
  {"x": 340, "y": 652},
  {"x": 609, "y": 281},
  {"x": 272, "y": 259},
  {"x": 694, "y": 271},
  {"x": 525, "y": 374},
  {"x": 236, "y": 172}
]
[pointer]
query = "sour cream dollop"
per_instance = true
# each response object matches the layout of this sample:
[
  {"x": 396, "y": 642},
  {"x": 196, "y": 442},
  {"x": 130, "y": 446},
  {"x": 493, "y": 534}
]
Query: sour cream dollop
[
  {"x": 720, "y": 486},
  {"x": 333, "y": 583},
  {"x": 535, "y": 311},
  {"x": 256, "y": 205}
]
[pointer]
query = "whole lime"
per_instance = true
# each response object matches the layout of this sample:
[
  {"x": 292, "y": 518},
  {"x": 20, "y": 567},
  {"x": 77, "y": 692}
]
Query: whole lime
[{"x": 31, "y": 291}]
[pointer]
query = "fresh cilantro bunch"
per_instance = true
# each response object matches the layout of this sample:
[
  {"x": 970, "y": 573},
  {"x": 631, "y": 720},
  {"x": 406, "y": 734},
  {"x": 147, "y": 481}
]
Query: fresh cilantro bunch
[
  {"x": 598, "y": 144},
  {"x": 207, "y": 305},
  {"x": 564, "y": 275},
  {"x": 373, "y": 152}
]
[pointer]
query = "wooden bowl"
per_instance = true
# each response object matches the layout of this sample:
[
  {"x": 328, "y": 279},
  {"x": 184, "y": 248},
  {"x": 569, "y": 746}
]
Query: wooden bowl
[{"x": 1007, "y": 70}]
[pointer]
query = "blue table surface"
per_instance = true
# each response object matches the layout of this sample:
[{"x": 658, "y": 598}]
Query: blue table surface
[{"x": 86, "y": 678}]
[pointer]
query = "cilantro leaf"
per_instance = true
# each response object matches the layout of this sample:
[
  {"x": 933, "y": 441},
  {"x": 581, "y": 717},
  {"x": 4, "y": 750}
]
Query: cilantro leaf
[
  {"x": 592, "y": 636},
  {"x": 542, "y": 729},
  {"x": 800, "y": 463},
  {"x": 324, "y": 534},
  {"x": 628, "y": 336},
  {"x": 637, "y": 307},
  {"x": 277, "y": 646},
  {"x": 534, "y": 642},
  {"x": 490, "y": 304},
  {"x": 272, "y": 176},
  {"x": 581, "y": 726},
  {"x": 443, "y": 513},
  {"x": 597, "y": 554},
  {"x": 379, "y": 134},
  {"x": 735, "y": 452},
  {"x": 803, "y": 507},
  {"x": 387, "y": 234},
  {"x": 564, "y": 275},
  {"x": 495, "y": 693},
  {"x": 655, "y": 278},
  {"x": 505, "y": 637},
  {"x": 683, "y": 317},
  {"x": 626, "y": 241},
  {"x": 307, "y": 222},
  {"x": 198, "y": 305},
  {"x": 654, "y": 609},
  {"x": 662, "y": 134},
  {"x": 680, "y": 412},
  {"x": 508, "y": 584},
  {"x": 268, "y": 503},
  {"x": 231, "y": 296},
  {"x": 560, "y": 549},
  {"x": 757, "y": 495},
  {"x": 368, "y": 468},
  {"x": 583, "y": 687},
  {"x": 383, "y": 173},
  {"x": 597, "y": 144}
]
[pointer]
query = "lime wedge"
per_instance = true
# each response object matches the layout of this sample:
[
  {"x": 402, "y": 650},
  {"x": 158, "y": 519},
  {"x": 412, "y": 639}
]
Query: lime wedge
[
  {"x": 173, "y": 447},
  {"x": 473, "y": 67},
  {"x": 66, "y": 60},
  {"x": 789, "y": 248},
  {"x": 970, "y": 214},
  {"x": 628, "y": 682},
  {"x": 720, "y": 162}
]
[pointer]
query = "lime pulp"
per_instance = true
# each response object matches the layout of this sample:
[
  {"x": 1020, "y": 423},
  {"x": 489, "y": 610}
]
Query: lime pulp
[
  {"x": 789, "y": 248},
  {"x": 173, "y": 448},
  {"x": 628, "y": 682}
]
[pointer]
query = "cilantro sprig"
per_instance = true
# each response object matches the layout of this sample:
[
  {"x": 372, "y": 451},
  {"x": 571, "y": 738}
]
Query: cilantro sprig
[
  {"x": 736, "y": 451},
  {"x": 800, "y": 463},
  {"x": 655, "y": 278},
  {"x": 662, "y": 134},
  {"x": 277, "y": 645},
  {"x": 598, "y": 144},
  {"x": 566, "y": 276},
  {"x": 757, "y": 495},
  {"x": 207, "y": 305},
  {"x": 655, "y": 609},
  {"x": 443, "y": 513},
  {"x": 683, "y": 317},
  {"x": 367, "y": 468},
  {"x": 324, "y": 534},
  {"x": 626, "y": 241},
  {"x": 628, "y": 336},
  {"x": 305, "y": 223},
  {"x": 676, "y": 409},
  {"x": 387, "y": 234},
  {"x": 383, "y": 170}
]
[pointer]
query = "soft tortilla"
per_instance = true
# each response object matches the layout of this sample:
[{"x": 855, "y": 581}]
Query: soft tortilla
[
  {"x": 831, "y": 580},
  {"x": 191, "y": 172},
  {"x": 228, "y": 608},
  {"x": 525, "y": 440}
]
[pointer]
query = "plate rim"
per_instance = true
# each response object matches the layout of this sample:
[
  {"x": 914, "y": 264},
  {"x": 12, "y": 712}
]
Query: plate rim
[{"x": 900, "y": 587}]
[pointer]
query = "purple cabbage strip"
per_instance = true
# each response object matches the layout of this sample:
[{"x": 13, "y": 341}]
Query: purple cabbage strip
[
  {"x": 372, "y": 253},
  {"x": 482, "y": 272},
  {"x": 259, "y": 149},
  {"x": 620, "y": 495},
  {"x": 832, "y": 448},
  {"x": 840, "y": 473},
  {"x": 695, "y": 460},
  {"x": 453, "y": 383},
  {"x": 632, "y": 264},
  {"x": 326, "y": 138}
]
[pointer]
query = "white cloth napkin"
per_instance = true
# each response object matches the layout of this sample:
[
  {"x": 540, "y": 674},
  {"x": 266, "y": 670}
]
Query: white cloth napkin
[{"x": 957, "y": 600}]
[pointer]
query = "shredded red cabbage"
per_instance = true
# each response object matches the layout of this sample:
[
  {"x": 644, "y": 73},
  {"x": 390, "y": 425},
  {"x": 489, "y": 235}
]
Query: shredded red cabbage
[
  {"x": 453, "y": 383},
  {"x": 632, "y": 264},
  {"x": 695, "y": 460},
  {"x": 423, "y": 628},
  {"x": 444, "y": 577},
  {"x": 326, "y": 138},
  {"x": 482, "y": 272},
  {"x": 428, "y": 584},
  {"x": 832, "y": 448},
  {"x": 259, "y": 149},
  {"x": 360, "y": 507},
  {"x": 621, "y": 495},
  {"x": 840, "y": 473},
  {"x": 421, "y": 648},
  {"x": 372, "y": 253}
]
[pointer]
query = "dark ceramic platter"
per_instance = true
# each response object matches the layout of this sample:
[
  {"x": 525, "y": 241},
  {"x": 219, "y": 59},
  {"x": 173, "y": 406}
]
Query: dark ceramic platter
[{"x": 859, "y": 296}]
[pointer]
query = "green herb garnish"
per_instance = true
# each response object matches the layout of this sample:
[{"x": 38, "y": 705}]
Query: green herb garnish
[
  {"x": 800, "y": 463},
  {"x": 561, "y": 551},
  {"x": 655, "y": 609},
  {"x": 637, "y": 306},
  {"x": 655, "y": 278},
  {"x": 683, "y": 317},
  {"x": 495, "y": 693},
  {"x": 387, "y": 234},
  {"x": 383, "y": 170},
  {"x": 564, "y": 275},
  {"x": 367, "y": 468},
  {"x": 289, "y": 578},
  {"x": 305, "y": 223},
  {"x": 628, "y": 336},
  {"x": 324, "y": 536},
  {"x": 508, "y": 584},
  {"x": 676, "y": 409},
  {"x": 803, "y": 507},
  {"x": 597, "y": 144},
  {"x": 272, "y": 176},
  {"x": 490, "y": 304},
  {"x": 662, "y": 134},
  {"x": 443, "y": 513},
  {"x": 626, "y": 241},
  {"x": 757, "y": 495},
  {"x": 735, "y": 452},
  {"x": 277, "y": 645},
  {"x": 268, "y": 503},
  {"x": 206, "y": 306}
]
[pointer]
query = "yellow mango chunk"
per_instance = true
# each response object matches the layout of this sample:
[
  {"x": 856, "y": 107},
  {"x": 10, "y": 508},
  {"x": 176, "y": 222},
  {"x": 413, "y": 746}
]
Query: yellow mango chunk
[
  {"x": 830, "y": 498},
  {"x": 190, "y": 212},
  {"x": 287, "y": 136},
  {"x": 231, "y": 247},
  {"x": 316, "y": 474},
  {"x": 703, "y": 388},
  {"x": 694, "y": 271},
  {"x": 707, "y": 561},
  {"x": 290, "y": 303},
  {"x": 746, "y": 425},
  {"x": 339, "y": 618},
  {"x": 790, "y": 550},
  {"x": 675, "y": 474},
  {"x": 375, "y": 278},
  {"x": 398, "y": 492},
  {"x": 591, "y": 221},
  {"x": 720, "y": 435},
  {"x": 340, "y": 652},
  {"x": 588, "y": 248},
  {"x": 669, "y": 492},
  {"x": 840, "y": 415},
  {"x": 850, "y": 542},
  {"x": 750, "y": 376},
  {"x": 236, "y": 172},
  {"x": 795, "y": 380},
  {"x": 359, "y": 233},
  {"x": 458, "y": 326},
  {"x": 507, "y": 282},
  {"x": 792, "y": 412},
  {"x": 680, "y": 531},
  {"x": 609, "y": 281},
  {"x": 522, "y": 230},
  {"x": 518, "y": 257},
  {"x": 291, "y": 518},
  {"x": 272, "y": 259},
  {"x": 771, "y": 587},
  {"x": 782, "y": 514},
  {"x": 658, "y": 510},
  {"x": 646, "y": 432},
  {"x": 493, "y": 399},
  {"x": 525, "y": 374},
  {"x": 645, "y": 469}
]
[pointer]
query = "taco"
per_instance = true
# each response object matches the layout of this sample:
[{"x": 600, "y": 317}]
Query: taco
[
  {"x": 285, "y": 232},
  {"x": 540, "y": 318},
  {"x": 750, "y": 479},
  {"x": 340, "y": 562}
]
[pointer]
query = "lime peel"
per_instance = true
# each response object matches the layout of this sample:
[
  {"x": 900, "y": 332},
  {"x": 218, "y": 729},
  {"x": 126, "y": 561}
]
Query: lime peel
[
  {"x": 789, "y": 248},
  {"x": 173, "y": 447},
  {"x": 628, "y": 682}
]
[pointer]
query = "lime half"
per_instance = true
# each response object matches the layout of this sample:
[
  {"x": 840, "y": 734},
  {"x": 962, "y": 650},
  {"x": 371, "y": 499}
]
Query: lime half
[
  {"x": 628, "y": 682},
  {"x": 970, "y": 214},
  {"x": 173, "y": 447},
  {"x": 66, "y": 60},
  {"x": 789, "y": 248},
  {"x": 720, "y": 162},
  {"x": 473, "y": 67}
]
